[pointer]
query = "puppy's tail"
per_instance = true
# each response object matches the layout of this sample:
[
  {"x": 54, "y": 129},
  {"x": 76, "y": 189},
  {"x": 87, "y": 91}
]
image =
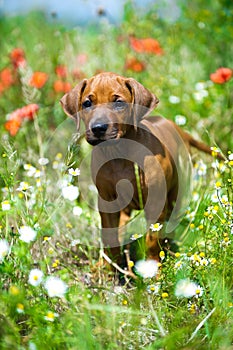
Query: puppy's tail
[{"x": 201, "y": 146}]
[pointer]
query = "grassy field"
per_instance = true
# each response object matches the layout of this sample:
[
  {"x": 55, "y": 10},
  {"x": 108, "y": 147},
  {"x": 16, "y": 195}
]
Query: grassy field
[{"x": 54, "y": 294}]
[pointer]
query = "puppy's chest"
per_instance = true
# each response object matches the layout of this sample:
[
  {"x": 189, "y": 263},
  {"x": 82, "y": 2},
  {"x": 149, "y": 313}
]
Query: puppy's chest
[{"x": 116, "y": 170}]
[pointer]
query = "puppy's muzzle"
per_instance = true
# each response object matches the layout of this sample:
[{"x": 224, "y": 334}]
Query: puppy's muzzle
[{"x": 99, "y": 129}]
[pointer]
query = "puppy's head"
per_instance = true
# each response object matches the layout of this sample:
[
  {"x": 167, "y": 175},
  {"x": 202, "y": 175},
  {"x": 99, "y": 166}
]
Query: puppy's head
[{"x": 108, "y": 104}]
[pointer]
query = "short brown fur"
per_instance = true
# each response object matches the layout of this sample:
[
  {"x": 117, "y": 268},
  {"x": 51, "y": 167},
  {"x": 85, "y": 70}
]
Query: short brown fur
[{"x": 129, "y": 123}]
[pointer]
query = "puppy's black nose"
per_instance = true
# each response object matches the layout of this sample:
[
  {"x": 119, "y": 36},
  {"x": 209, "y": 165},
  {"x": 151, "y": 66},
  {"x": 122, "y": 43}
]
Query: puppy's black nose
[{"x": 99, "y": 129}]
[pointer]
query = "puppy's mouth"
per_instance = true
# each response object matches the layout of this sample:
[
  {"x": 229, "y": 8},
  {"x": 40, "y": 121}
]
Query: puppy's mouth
[
  {"x": 97, "y": 138},
  {"x": 96, "y": 141}
]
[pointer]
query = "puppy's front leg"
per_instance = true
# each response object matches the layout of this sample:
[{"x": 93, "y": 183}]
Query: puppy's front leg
[
  {"x": 157, "y": 172},
  {"x": 110, "y": 223}
]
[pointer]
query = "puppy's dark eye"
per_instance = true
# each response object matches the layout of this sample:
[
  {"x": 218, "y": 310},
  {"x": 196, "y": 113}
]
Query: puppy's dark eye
[
  {"x": 119, "y": 104},
  {"x": 87, "y": 104}
]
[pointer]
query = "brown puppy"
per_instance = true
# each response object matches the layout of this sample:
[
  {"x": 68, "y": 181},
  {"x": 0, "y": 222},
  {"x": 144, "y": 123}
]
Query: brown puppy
[{"x": 114, "y": 110}]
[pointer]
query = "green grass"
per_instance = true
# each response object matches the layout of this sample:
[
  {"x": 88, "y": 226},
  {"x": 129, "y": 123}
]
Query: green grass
[{"x": 95, "y": 313}]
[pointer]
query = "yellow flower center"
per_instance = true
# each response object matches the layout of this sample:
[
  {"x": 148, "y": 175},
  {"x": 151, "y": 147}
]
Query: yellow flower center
[
  {"x": 50, "y": 315},
  {"x": 14, "y": 290},
  {"x": 131, "y": 263},
  {"x": 162, "y": 254},
  {"x": 20, "y": 306},
  {"x": 164, "y": 295}
]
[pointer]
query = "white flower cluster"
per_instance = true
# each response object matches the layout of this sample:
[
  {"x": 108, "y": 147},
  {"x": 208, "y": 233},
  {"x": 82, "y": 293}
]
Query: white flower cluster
[
  {"x": 6, "y": 205},
  {"x": 201, "y": 90},
  {"x": 68, "y": 190},
  {"x": 187, "y": 289},
  {"x": 146, "y": 268},
  {"x": 27, "y": 234},
  {"x": 54, "y": 286},
  {"x": 200, "y": 169},
  {"x": 180, "y": 119},
  {"x": 4, "y": 249},
  {"x": 199, "y": 260}
]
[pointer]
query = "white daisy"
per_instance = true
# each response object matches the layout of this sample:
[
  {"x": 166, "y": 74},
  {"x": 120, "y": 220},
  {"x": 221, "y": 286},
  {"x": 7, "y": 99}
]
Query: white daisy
[
  {"x": 153, "y": 288},
  {"x": 20, "y": 308},
  {"x": 55, "y": 287},
  {"x": 23, "y": 186},
  {"x": 64, "y": 182},
  {"x": 6, "y": 205},
  {"x": 77, "y": 211},
  {"x": 74, "y": 172},
  {"x": 58, "y": 165},
  {"x": 75, "y": 242},
  {"x": 4, "y": 249},
  {"x": 200, "y": 168},
  {"x": 174, "y": 99},
  {"x": 38, "y": 174},
  {"x": 198, "y": 291},
  {"x": 30, "y": 169},
  {"x": 200, "y": 95},
  {"x": 200, "y": 85},
  {"x": 50, "y": 316},
  {"x": 136, "y": 236},
  {"x": 27, "y": 234},
  {"x": 195, "y": 196},
  {"x": 156, "y": 227},
  {"x": 35, "y": 277},
  {"x": 146, "y": 268},
  {"x": 178, "y": 265},
  {"x": 204, "y": 262},
  {"x": 70, "y": 192},
  {"x": 214, "y": 197},
  {"x": 186, "y": 288},
  {"x": 180, "y": 119},
  {"x": 43, "y": 161},
  {"x": 224, "y": 200}
]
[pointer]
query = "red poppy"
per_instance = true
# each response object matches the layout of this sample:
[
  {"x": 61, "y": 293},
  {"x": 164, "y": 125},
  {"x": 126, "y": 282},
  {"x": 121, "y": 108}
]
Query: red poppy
[
  {"x": 135, "y": 65},
  {"x": 12, "y": 126},
  {"x": 17, "y": 57},
  {"x": 221, "y": 75},
  {"x": 38, "y": 79},
  {"x": 16, "y": 118},
  {"x": 29, "y": 111},
  {"x": 61, "y": 71},
  {"x": 66, "y": 87},
  {"x": 6, "y": 77},
  {"x": 147, "y": 45},
  {"x": 60, "y": 86}
]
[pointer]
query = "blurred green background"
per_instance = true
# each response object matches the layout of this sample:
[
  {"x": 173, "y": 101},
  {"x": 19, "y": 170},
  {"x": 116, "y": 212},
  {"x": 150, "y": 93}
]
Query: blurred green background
[
  {"x": 175, "y": 49},
  {"x": 194, "y": 45}
]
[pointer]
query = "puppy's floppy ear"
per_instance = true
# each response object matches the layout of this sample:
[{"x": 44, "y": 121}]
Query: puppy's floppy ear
[
  {"x": 71, "y": 101},
  {"x": 144, "y": 101}
]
